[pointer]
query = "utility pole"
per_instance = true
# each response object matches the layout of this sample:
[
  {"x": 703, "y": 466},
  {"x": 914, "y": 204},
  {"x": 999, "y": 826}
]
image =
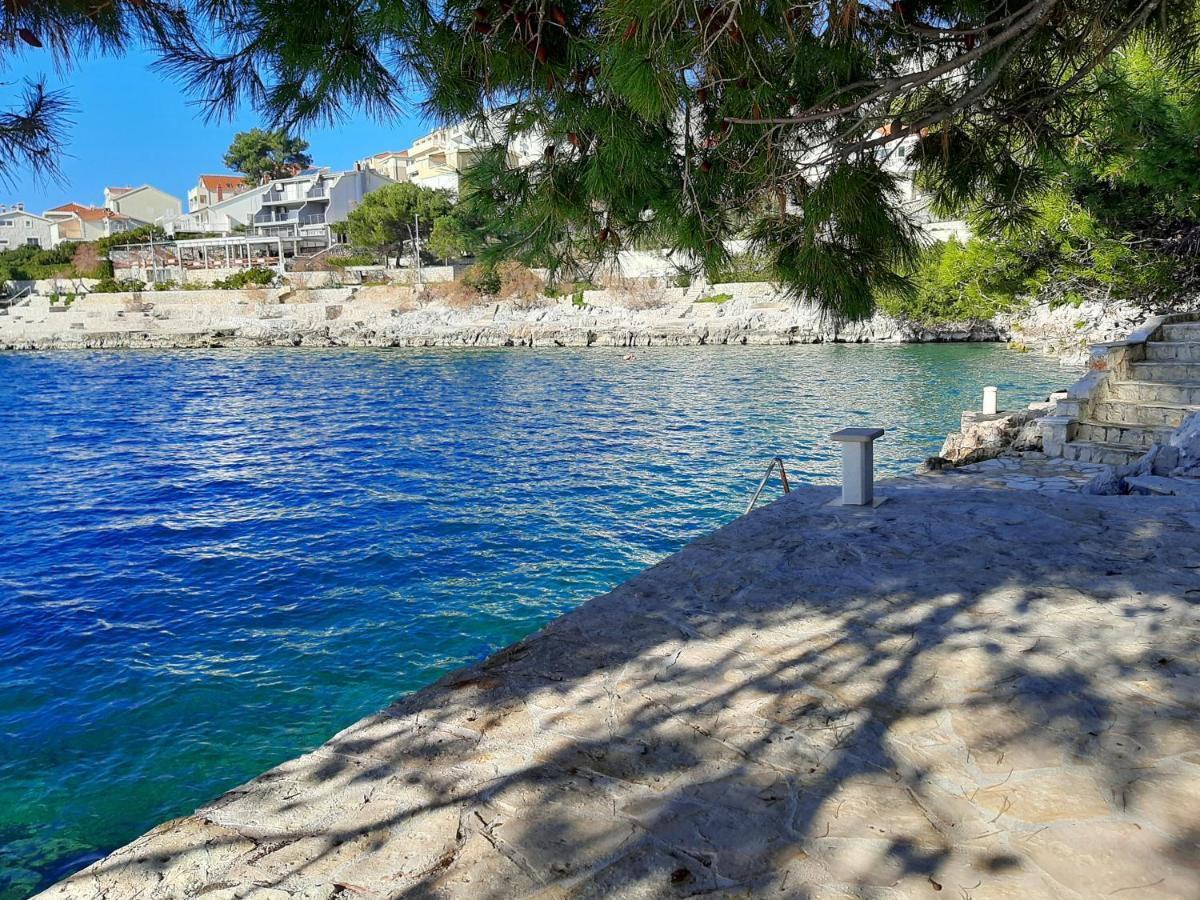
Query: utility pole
[{"x": 417, "y": 246}]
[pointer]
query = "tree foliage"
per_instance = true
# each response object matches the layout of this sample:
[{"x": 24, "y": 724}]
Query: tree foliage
[
  {"x": 262, "y": 155},
  {"x": 52, "y": 34},
  {"x": 450, "y": 238},
  {"x": 387, "y": 218},
  {"x": 684, "y": 122},
  {"x": 690, "y": 121},
  {"x": 1117, "y": 215}
]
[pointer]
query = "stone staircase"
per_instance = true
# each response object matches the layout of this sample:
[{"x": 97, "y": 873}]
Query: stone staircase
[{"x": 1137, "y": 396}]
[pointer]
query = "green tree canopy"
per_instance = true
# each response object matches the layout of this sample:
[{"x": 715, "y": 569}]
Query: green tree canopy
[
  {"x": 387, "y": 218},
  {"x": 260, "y": 154},
  {"x": 450, "y": 238},
  {"x": 683, "y": 121},
  {"x": 1117, "y": 213},
  {"x": 695, "y": 121}
]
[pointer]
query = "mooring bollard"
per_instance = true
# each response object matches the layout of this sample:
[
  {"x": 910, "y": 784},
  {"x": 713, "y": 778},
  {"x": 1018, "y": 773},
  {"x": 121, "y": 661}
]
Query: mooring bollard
[
  {"x": 858, "y": 464},
  {"x": 989, "y": 401}
]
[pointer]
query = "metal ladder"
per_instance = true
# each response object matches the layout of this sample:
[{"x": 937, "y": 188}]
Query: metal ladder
[{"x": 777, "y": 461}]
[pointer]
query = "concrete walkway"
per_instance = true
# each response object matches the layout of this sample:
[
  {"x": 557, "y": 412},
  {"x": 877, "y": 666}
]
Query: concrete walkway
[{"x": 975, "y": 692}]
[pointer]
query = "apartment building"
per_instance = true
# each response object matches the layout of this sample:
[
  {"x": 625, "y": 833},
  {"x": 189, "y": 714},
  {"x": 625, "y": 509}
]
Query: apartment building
[
  {"x": 210, "y": 189},
  {"x": 21, "y": 228}
]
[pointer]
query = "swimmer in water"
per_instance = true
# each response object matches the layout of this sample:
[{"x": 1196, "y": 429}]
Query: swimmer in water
[{"x": 630, "y": 356}]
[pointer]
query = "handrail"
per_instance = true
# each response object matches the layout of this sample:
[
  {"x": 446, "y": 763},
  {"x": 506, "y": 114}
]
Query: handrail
[
  {"x": 26, "y": 294},
  {"x": 777, "y": 461}
]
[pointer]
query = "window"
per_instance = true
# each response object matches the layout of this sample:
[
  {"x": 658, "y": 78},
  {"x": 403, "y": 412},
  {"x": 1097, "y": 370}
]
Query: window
[{"x": 29, "y": 223}]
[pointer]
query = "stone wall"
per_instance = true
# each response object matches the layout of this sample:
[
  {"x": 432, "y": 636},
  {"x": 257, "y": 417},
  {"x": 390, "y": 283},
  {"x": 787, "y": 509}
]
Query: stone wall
[{"x": 634, "y": 315}]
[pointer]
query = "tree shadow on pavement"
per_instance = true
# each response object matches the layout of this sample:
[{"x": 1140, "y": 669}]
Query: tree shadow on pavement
[{"x": 961, "y": 693}]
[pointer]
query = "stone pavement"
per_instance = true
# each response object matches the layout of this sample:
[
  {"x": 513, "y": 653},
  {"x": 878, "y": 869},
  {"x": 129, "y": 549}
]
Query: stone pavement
[
  {"x": 1028, "y": 472},
  {"x": 962, "y": 693}
]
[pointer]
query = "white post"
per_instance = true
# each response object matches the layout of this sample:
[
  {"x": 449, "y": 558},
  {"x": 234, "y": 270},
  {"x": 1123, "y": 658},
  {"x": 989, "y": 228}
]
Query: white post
[
  {"x": 989, "y": 401},
  {"x": 858, "y": 464},
  {"x": 417, "y": 247}
]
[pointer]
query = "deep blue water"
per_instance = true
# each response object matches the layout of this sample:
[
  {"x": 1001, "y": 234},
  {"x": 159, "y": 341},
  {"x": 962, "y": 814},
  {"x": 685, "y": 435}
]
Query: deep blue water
[{"x": 211, "y": 561}]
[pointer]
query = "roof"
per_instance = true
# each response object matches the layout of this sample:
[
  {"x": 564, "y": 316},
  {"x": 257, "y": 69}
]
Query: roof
[
  {"x": 222, "y": 182},
  {"x": 21, "y": 212},
  {"x": 386, "y": 153},
  {"x": 87, "y": 213},
  {"x": 118, "y": 191}
]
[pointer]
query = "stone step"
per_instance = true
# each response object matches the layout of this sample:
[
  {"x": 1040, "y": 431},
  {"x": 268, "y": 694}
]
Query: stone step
[
  {"x": 1173, "y": 351},
  {"x": 1157, "y": 392},
  {"x": 1140, "y": 412},
  {"x": 1181, "y": 331},
  {"x": 1102, "y": 454},
  {"x": 1135, "y": 437},
  {"x": 1174, "y": 373}
]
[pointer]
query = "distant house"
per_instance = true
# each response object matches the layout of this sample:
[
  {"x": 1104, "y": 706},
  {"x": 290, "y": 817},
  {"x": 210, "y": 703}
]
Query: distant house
[
  {"x": 76, "y": 222},
  {"x": 391, "y": 163},
  {"x": 305, "y": 206},
  {"x": 299, "y": 209},
  {"x": 438, "y": 159},
  {"x": 212, "y": 189},
  {"x": 21, "y": 228},
  {"x": 146, "y": 203}
]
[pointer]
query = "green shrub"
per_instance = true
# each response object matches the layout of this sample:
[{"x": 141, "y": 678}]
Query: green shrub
[
  {"x": 256, "y": 276},
  {"x": 29, "y": 263},
  {"x": 742, "y": 267},
  {"x": 485, "y": 281},
  {"x": 167, "y": 285},
  {"x": 118, "y": 285},
  {"x": 716, "y": 298},
  {"x": 358, "y": 258},
  {"x": 139, "y": 235}
]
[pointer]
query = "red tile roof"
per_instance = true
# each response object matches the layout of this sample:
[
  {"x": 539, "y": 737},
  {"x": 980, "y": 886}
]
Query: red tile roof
[
  {"x": 118, "y": 191},
  {"x": 87, "y": 213},
  {"x": 222, "y": 182}
]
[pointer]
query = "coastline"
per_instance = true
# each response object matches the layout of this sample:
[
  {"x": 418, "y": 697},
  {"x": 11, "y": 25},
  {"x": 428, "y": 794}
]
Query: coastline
[{"x": 393, "y": 316}]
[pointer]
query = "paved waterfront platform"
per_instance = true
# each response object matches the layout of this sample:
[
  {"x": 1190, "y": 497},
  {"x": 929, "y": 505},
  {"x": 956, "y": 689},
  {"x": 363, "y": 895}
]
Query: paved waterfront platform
[{"x": 970, "y": 691}]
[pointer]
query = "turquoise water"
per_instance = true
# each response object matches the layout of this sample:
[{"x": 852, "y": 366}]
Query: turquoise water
[{"x": 211, "y": 561}]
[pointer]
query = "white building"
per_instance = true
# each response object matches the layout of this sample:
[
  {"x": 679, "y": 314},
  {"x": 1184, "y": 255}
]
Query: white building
[
  {"x": 145, "y": 204},
  {"x": 896, "y": 158},
  {"x": 392, "y": 164},
  {"x": 210, "y": 189},
  {"x": 299, "y": 209},
  {"x": 76, "y": 222},
  {"x": 21, "y": 228},
  {"x": 438, "y": 159}
]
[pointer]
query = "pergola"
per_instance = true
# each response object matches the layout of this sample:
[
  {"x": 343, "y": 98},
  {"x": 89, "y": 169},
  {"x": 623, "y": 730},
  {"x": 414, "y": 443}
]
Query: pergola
[
  {"x": 226, "y": 252},
  {"x": 207, "y": 253}
]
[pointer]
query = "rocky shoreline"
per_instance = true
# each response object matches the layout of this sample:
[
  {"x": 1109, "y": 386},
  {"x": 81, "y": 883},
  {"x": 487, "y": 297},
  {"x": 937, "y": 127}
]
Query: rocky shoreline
[{"x": 394, "y": 316}]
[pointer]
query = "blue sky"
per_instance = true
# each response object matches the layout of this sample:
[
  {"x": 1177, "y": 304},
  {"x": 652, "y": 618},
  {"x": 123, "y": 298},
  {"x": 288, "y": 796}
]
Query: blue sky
[{"x": 132, "y": 126}]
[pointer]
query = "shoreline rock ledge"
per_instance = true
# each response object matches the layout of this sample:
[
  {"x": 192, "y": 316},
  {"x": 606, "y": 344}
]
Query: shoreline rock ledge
[
  {"x": 394, "y": 316},
  {"x": 812, "y": 701}
]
